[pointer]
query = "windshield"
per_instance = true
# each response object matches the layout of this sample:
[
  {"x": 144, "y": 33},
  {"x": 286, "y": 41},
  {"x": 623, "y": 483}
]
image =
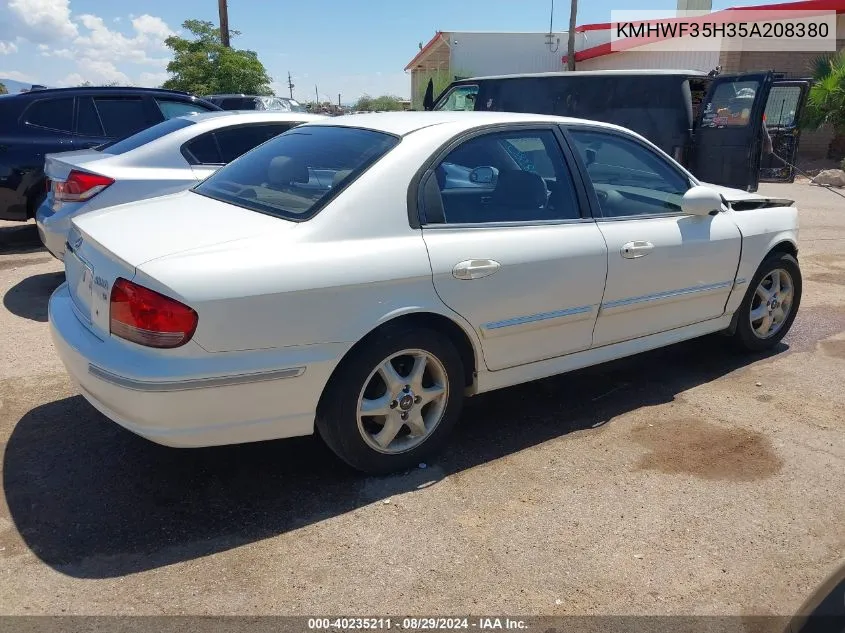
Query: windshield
[
  {"x": 294, "y": 175},
  {"x": 459, "y": 98},
  {"x": 143, "y": 137}
]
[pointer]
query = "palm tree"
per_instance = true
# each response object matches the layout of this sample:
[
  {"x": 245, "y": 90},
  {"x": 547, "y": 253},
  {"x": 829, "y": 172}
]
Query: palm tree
[{"x": 826, "y": 101}]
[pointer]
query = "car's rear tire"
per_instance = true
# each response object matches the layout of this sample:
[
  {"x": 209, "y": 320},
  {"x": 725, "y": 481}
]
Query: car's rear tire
[
  {"x": 380, "y": 421},
  {"x": 770, "y": 304}
]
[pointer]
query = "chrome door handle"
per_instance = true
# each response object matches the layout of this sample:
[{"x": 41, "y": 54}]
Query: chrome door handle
[
  {"x": 633, "y": 250},
  {"x": 475, "y": 268}
]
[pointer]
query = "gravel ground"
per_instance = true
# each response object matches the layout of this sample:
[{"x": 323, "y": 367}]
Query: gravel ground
[{"x": 690, "y": 480}]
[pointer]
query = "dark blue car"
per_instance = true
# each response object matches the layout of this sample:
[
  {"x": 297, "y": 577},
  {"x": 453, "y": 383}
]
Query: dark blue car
[{"x": 44, "y": 121}]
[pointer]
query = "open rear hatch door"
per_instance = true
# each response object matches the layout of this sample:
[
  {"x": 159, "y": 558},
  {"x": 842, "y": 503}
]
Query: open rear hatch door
[
  {"x": 728, "y": 137},
  {"x": 783, "y": 113}
]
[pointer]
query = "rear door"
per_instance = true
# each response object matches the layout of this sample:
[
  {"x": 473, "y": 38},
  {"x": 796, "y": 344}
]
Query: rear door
[
  {"x": 524, "y": 263},
  {"x": 108, "y": 117},
  {"x": 783, "y": 112},
  {"x": 728, "y": 139}
]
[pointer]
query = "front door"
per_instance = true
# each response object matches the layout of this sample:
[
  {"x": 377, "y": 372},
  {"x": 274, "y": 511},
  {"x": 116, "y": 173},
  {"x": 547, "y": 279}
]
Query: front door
[
  {"x": 510, "y": 250},
  {"x": 728, "y": 136},
  {"x": 665, "y": 269}
]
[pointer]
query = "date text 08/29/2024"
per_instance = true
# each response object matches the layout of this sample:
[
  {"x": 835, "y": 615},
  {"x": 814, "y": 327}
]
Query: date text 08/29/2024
[{"x": 416, "y": 624}]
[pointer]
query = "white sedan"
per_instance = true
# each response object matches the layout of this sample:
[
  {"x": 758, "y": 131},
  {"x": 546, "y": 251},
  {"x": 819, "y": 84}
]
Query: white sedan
[{"x": 449, "y": 254}]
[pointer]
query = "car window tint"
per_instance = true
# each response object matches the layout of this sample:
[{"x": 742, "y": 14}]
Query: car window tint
[
  {"x": 122, "y": 117},
  {"x": 459, "y": 98},
  {"x": 506, "y": 177},
  {"x": 88, "y": 121},
  {"x": 51, "y": 114},
  {"x": 172, "y": 109},
  {"x": 235, "y": 141},
  {"x": 629, "y": 178},
  {"x": 782, "y": 106},
  {"x": 730, "y": 105},
  {"x": 294, "y": 175},
  {"x": 203, "y": 150}
]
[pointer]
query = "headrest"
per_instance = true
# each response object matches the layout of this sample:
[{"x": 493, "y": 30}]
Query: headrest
[
  {"x": 285, "y": 171},
  {"x": 520, "y": 189}
]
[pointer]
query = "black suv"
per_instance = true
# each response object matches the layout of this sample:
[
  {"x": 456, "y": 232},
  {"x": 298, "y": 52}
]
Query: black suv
[
  {"x": 43, "y": 121},
  {"x": 254, "y": 102}
]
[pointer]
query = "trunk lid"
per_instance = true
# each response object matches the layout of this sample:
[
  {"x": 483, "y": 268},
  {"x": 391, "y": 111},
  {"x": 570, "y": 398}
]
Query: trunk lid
[
  {"x": 141, "y": 231},
  {"x": 58, "y": 166},
  {"x": 110, "y": 243}
]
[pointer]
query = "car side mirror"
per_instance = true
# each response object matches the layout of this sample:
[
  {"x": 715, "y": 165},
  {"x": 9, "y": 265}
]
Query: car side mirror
[
  {"x": 701, "y": 201},
  {"x": 482, "y": 175},
  {"x": 591, "y": 156}
]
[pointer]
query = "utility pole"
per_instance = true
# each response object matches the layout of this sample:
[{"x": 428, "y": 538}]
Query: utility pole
[
  {"x": 224, "y": 22},
  {"x": 338, "y": 99},
  {"x": 317, "y": 94},
  {"x": 570, "y": 49},
  {"x": 290, "y": 85}
]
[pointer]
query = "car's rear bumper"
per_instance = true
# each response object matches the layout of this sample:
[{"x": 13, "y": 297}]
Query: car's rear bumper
[
  {"x": 177, "y": 401},
  {"x": 52, "y": 230}
]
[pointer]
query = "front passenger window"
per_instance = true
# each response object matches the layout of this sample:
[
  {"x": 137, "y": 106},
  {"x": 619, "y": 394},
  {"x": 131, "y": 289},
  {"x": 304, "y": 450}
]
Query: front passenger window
[
  {"x": 518, "y": 176},
  {"x": 629, "y": 179}
]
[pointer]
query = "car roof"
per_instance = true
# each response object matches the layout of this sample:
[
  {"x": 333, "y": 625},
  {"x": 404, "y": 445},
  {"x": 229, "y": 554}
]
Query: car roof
[
  {"x": 403, "y": 123},
  {"x": 593, "y": 73},
  {"x": 231, "y": 117},
  {"x": 102, "y": 89}
]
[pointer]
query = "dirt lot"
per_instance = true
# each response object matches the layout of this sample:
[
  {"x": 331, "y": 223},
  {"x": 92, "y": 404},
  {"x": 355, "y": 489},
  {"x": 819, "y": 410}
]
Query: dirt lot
[{"x": 688, "y": 480}]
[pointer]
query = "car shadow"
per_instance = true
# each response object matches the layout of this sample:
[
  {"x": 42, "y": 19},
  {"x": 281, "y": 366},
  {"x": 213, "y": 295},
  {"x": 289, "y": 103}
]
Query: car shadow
[
  {"x": 16, "y": 240},
  {"x": 28, "y": 298},
  {"x": 94, "y": 501}
]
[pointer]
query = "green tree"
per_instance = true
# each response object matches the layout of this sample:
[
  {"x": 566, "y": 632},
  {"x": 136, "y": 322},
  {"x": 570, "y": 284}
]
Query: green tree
[
  {"x": 384, "y": 103},
  {"x": 203, "y": 66},
  {"x": 826, "y": 101},
  {"x": 3, "y": 88}
]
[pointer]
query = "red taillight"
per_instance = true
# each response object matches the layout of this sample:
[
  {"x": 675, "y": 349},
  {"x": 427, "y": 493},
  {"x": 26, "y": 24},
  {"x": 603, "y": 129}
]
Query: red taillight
[
  {"x": 80, "y": 186},
  {"x": 148, "y": 318}
]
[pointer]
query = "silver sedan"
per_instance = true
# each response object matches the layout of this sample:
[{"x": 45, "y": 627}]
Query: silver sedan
[{"x": 166, "y": 158}]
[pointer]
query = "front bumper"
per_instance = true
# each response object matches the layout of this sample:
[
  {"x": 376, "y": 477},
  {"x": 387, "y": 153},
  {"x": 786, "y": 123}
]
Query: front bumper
[{"x": 206, "y": 399}]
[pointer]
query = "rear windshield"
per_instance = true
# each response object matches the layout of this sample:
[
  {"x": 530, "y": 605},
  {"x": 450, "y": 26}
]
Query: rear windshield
[
  {"x": 144, "y": 136},
  {"x": 294, "y": 175}
]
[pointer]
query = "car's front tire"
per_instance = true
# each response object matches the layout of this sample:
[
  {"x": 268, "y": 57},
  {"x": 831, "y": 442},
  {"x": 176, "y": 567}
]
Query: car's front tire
[
  {"x": 770, "y": 304},
  {"x": 394, "y": 400}
]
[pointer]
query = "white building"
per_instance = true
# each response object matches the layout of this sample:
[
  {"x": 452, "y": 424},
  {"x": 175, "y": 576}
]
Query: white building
[{"x": 453, "y": 55}]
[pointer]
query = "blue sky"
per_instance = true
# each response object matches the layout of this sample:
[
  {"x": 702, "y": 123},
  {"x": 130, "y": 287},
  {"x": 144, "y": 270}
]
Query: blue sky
[{"x": 342, "y": 46}]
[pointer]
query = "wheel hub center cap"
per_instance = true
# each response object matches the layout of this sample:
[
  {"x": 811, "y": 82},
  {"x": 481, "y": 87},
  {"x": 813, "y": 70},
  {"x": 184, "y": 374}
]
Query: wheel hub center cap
[{"x": 406, "y": 402}]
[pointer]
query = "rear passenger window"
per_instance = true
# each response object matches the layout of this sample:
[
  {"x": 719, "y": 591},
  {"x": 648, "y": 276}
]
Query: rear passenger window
[
  {"x": 202, "y": 150},
  {"x": 502, "y": 177},
  {"x": 88, "y": 121},
  {"x": 235, "y": 141},
  {"x": 51, "y": 114},
  {"x": 122, "y": 117}
]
